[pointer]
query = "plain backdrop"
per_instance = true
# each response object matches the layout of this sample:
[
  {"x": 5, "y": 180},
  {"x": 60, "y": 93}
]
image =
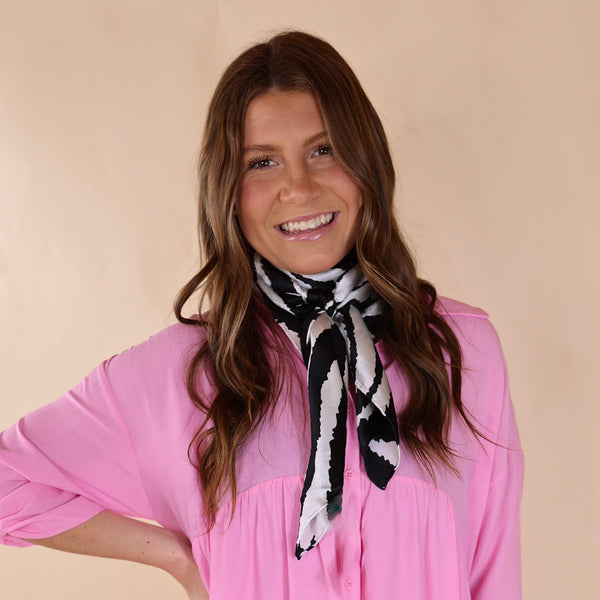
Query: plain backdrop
[{"x": 491, "y": 109}]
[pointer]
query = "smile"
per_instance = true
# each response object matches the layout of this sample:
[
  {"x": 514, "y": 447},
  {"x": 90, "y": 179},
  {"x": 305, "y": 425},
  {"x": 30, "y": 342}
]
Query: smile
[{"x": 295, "y": 227}]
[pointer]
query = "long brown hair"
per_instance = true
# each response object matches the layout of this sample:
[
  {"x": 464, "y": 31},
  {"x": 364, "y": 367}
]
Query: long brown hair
[{"x": 241, "y": 353}]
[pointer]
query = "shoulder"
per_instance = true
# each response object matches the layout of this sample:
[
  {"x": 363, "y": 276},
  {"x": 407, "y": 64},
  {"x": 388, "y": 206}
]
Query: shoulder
[
  {"x": 485, "y": 390},
  {"x": 162, "y": 355},
  {"x": 454, "y": 308},
  {"x": 476, "y": 335},
  {"x": 484, "y": 367},
  {"x": 169, "y": 343}
]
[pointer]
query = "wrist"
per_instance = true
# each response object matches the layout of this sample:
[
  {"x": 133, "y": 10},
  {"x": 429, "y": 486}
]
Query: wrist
[
  {"x": 184, "y": 570},
  {"x": 177, "y": 559}
]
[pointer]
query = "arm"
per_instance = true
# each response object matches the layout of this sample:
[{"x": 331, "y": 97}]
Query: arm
[
  {"x": 112, "y": 536},
  {"x": 63, "y": 467},
  {"x": 495, "y": 570}
]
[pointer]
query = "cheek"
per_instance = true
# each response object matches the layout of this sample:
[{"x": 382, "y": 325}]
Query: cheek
[
  {"x": 359, "y": 201},
  {"x": 252, "y": 194},
  {"x": 355, "y": 207},
  {"x": 353, "y": 195},
  {"x": 346, "y": 187},
  {"x": 251, "y": 208}
]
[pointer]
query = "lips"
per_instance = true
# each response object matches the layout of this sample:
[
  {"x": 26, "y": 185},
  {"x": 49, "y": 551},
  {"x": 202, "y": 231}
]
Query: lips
[{"x": 303, "y": 225}]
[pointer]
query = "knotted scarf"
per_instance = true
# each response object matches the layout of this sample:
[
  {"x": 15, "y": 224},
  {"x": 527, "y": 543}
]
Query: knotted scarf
[{"x": 330, "y": 318}]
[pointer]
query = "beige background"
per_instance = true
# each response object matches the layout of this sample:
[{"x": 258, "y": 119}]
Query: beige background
[{"x": 492, "y": 112}]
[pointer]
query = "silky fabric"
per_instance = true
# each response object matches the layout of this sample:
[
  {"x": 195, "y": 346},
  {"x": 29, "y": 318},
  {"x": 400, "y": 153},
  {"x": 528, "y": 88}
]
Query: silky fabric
[
  {"x": 119, "y": 441},
  {"x": 328, "y": 316}
]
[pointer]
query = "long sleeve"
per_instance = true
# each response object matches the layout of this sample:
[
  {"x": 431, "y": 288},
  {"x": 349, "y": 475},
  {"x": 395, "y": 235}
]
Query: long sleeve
[
  {"x": 64, "y": 463},
  {"x": 117, "y": 441},
  {"x": 495, "y": 572},
  {"x": 496, "y": 568}
]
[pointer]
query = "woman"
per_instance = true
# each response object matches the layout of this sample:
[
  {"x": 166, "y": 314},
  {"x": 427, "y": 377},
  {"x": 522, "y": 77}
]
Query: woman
[{"x": 352, "y": 434}]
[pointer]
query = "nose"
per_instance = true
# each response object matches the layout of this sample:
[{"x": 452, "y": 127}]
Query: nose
[{"x": 298, "y": 185}]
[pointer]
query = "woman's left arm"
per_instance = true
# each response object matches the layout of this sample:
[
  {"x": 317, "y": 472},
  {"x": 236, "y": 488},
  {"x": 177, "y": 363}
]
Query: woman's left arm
[
  {"x": 495, "y": 572},
  {"x": 496, "y": 569}
]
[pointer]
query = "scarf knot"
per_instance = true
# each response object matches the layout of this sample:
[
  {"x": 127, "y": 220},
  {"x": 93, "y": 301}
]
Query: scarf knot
[{"x": 331, "y": 318}]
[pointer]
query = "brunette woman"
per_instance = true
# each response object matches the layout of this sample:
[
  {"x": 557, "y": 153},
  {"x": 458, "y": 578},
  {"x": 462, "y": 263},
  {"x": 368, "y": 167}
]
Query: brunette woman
[{"x": 329, "y": 427}]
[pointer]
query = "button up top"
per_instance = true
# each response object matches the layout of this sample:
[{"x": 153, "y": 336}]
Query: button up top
[{"x": 119, "y": 439}]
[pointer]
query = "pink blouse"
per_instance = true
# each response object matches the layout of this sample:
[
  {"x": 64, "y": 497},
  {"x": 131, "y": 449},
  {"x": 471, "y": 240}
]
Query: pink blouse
[{"x": 119, "y": 441}]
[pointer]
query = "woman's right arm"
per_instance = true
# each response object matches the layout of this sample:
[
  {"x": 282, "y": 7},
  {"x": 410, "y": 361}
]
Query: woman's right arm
[
  {"x": 68, "y": 469},
  {"x": 113, "y": 536}
]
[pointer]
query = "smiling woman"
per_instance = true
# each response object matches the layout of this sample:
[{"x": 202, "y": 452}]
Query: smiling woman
[
  {"x": 349, "y": 432},
  {"x": 297, "y": 206}
]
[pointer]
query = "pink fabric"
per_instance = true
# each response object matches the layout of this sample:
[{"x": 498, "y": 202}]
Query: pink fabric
[{"x": 119, "y": 441}]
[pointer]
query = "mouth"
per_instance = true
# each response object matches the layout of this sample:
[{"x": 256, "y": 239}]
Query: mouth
[{"x": 299, "y": 226}]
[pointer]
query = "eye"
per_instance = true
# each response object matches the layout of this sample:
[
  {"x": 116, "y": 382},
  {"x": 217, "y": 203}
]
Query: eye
[
  {"x": 260, "y": 162},
  {"x": 324, "y": 150}
]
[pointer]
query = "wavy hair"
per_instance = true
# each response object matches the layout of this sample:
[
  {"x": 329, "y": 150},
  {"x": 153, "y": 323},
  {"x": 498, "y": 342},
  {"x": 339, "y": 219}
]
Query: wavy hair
[{"x": 242, "y": 354}]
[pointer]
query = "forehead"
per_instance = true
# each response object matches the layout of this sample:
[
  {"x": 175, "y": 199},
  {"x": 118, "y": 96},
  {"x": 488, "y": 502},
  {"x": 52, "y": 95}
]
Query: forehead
[{"x": 279, "y": 113}]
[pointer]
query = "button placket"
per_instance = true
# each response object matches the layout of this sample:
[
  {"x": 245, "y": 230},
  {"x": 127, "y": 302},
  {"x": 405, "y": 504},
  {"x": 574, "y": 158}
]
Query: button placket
[{"x": 350, "y": 568}]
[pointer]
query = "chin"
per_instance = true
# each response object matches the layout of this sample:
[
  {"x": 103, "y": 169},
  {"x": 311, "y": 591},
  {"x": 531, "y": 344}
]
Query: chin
[{"x": 306, "y": 266}]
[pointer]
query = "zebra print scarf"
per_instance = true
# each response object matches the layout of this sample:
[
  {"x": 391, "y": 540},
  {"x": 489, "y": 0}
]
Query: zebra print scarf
[{"x": 330, "y": 318}]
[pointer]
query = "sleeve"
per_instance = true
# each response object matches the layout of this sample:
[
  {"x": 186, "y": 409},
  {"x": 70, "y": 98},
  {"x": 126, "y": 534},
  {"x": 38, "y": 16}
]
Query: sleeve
[
  {"x": 496, "y": 566},
  {"x": 66, "y": 462}
]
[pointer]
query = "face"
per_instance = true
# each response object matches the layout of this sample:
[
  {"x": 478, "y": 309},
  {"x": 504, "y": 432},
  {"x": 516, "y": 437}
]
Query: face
[{"x": 296, "y": 207}]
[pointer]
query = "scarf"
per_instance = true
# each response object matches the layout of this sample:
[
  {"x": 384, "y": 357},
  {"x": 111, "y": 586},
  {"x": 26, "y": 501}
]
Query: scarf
[{"x": 330, "y": 317}]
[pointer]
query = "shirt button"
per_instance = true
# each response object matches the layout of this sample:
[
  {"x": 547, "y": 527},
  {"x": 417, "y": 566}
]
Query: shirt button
[
  {"x": 348, "y": 584},
  {"x": 348, "y": 474}
]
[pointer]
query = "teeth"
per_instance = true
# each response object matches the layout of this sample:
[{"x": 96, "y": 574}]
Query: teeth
[{"x": 299, "y": 226}]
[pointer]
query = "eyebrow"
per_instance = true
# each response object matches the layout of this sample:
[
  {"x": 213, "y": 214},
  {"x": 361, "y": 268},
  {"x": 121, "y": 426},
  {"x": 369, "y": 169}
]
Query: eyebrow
[{"x": 268, "y": 148}]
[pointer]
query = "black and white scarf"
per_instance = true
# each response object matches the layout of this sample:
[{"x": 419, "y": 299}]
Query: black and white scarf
[{"x": 330, "y": 318}]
